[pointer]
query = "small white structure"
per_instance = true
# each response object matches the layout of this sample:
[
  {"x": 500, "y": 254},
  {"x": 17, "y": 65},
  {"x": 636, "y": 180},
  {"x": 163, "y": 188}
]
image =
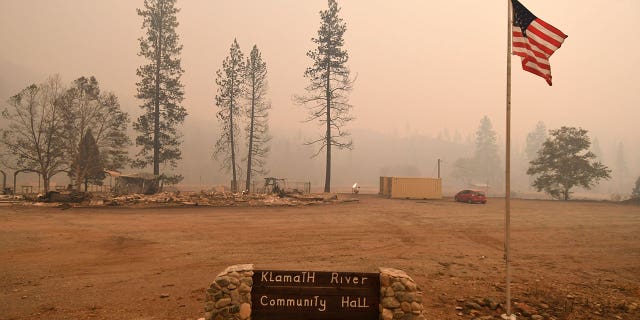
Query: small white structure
[{"x": 355, "y": 188}]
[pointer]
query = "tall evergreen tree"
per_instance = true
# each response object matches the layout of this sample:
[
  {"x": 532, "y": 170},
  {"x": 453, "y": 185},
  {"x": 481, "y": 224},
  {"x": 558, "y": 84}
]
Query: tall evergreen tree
[
  {"x": 484, "y": 166},
  {"x": 535, "y": 139},
  {"x": 159, "y": 87},
  {"x": 621, "y": 171},
  {"x": 533, "y": 145},
  {"x": 597, "y": 151},
  {"x": 230, "y": 80},
  {"x": 327, "y": 95},
  {"x": 486, "y": 156},
  {"x": 257, "y": 112}
]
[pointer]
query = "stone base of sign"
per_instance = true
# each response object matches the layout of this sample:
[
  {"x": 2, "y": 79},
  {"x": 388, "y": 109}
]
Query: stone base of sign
[
  {"x": 229, "y": 296},
  {"x": 400, "y": 296}
]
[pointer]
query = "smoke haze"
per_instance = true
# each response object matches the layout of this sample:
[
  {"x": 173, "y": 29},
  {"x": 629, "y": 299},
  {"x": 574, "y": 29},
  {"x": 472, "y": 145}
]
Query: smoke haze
[{"x": 427, "y": 72}]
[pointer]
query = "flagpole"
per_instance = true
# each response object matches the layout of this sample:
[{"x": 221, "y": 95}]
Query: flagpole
[{"x": 507, "y": 194}]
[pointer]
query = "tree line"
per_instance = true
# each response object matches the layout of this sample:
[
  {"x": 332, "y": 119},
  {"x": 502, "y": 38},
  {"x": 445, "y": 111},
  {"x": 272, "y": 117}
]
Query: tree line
[
  {"x": 559, "y": 160},
  {"x": 242, "y": 88},
  {"x": 78, "y": 129},
  {"x": 81, "y": 131}
]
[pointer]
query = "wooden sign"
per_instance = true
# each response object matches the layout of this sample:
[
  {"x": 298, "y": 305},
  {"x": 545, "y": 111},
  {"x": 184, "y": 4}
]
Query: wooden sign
[{"x": 314, "y": 295}]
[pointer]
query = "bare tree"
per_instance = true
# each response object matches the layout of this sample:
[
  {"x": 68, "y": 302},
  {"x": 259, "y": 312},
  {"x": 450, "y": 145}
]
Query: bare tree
[
  {"x": 327, "y": 95},
  {"x": 86, "y": 109},
  {"x": 34, "y": 134},
  {"x": 230, "y": 81},
  {"x": 257, "y": 112}
]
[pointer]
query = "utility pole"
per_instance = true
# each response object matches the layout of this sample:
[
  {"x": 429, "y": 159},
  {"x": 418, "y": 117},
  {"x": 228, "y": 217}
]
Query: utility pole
[{"x": 439, "y": 168}]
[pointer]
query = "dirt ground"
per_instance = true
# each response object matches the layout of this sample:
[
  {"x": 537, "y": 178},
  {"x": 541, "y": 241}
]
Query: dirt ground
[{"x": 571, "y": 260}]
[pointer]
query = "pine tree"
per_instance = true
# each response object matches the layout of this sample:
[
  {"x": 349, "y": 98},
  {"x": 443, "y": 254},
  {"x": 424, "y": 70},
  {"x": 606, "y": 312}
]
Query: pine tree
[
  {"x": 595, "y": 148},
  {"x": 621, "y": 171},
  {"x": 88, "y": 164},
  {"x": 486, "y": 156},
  {"x": 230, "y": 80},
  {"x": 533, "y": 145},
  {"x": 484, "y": 166},
  {"x": 257, "y": 112},
  {"x": 327, "y": 99},
  {"x": 535, "y": 139},
  {"x": 159, "y": 88}
]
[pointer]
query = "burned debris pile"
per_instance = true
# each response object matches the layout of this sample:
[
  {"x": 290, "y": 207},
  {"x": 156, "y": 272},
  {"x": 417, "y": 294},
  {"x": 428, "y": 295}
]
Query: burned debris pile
[
  {"x": 219, "y": 199},
  {"x": 178, "y": 199},
  {"x": 203, "y": 198}
]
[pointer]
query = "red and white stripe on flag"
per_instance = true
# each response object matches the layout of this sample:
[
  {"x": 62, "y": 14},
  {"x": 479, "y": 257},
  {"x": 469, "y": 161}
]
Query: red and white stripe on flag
[{"x": 536, "y": 45}]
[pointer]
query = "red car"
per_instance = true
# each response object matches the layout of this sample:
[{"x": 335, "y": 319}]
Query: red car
[{"x": 471, "y": 196}]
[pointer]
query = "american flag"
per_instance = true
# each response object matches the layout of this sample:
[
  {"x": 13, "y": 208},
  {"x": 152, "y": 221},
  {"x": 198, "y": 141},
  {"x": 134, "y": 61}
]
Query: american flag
[{"x": 534, "y": 41}]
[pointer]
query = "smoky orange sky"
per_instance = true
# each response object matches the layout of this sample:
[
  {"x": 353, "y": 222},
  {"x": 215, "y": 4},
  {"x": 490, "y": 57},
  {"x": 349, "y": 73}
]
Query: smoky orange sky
[{"x": 422, "y": 66}]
